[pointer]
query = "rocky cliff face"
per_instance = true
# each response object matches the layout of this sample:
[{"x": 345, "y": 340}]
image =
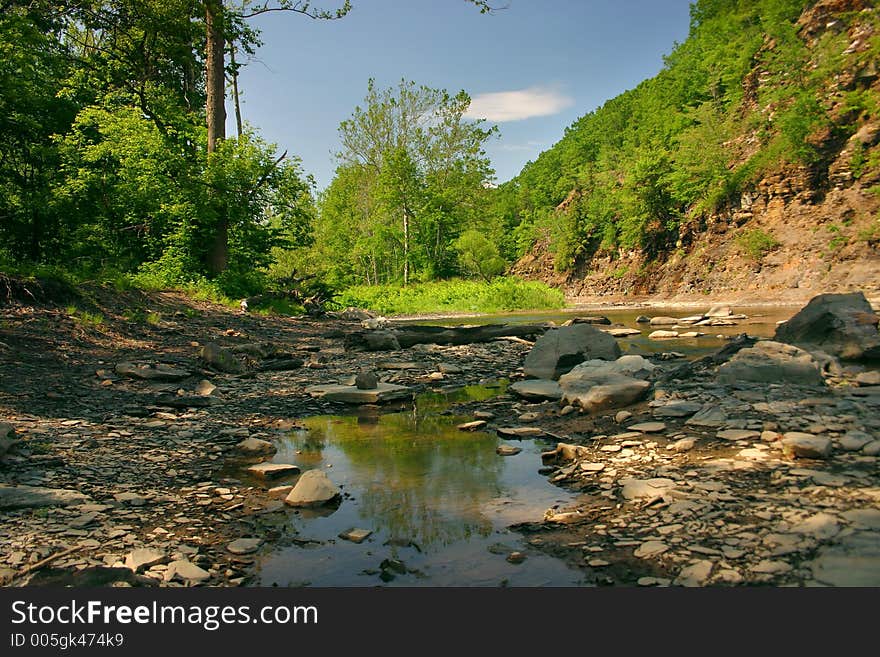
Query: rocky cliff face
[{"x": 797, "y": 232}]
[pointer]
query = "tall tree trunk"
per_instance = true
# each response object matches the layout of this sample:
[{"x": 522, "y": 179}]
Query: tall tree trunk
[
  {"x": 215, "y": 108},
  {"x": 405, "y": 247},
  {"x": 235, "y": 97}
]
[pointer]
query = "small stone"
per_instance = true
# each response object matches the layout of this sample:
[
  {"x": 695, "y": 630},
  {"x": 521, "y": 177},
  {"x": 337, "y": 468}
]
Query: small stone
[
  {"x": 205, "y": 388},
  {"x": 737, "y": 434},
  {"x": 804, "y": 445},
  {"x": 471, "y": 426},
  {"x": 648, "y": 427},
  {"x": 662, "y": 335},
  {"x": 770, "y": 567},
  {"x": 871, "y": 378},
  {"x": 853, "y": 441},
  {"x": 872, "y": 448},
  {"x": 592, "y": 467},
  {"x": 366, "y": 381},
  {"x": 279, "y": 492},
  {"x": 356, "y": 535},
  {"x": 529, "y": 417},
  {"x": 507, "y": 450},
  {"x": 271, "y": 470},
  {"x": 567, "y": 410},
  {"x": 256, "y": 446},
  {"x": 516, "y": 557},
  {"x": 650, "y": 549},
  {"x": 598, "y": 563},
  {"x": 770, "y": 436},
  {"x": 186, "y": 571},
  {"x": 132, "y": 499},
  {"x": 484, "y": 415},
  {"x": 142, "y": 558},
  {"x": 695, "y": 574},
  {"x": 682, "y": 445},
  {"x": 622, "y": 416},
  {"x": 244, "y": 545}
]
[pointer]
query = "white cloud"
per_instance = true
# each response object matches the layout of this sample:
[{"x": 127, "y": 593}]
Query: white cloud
[{"x": 518, "y": 105}]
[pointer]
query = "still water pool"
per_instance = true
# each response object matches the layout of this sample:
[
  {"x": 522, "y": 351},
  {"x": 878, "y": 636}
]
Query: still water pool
[{"x": 438, "y": 501}]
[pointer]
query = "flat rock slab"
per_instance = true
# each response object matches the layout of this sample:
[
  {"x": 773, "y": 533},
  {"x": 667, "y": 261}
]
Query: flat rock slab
[
  {"x": 245, "y": 545},
  {"x": 634, "y": 489},
  {"x": 471, "y": 426},
  {"x": 186, "y": 571},
  {"x": 738, "y": 434},
  {"x": 314, "y": 488},
  {"x": 519, "y": 432},
  {"x": 141, "y": 558},
  {"x": 255, "y": 446},
  {"x": 158, "y": 373},
  {"x": 772, "y": 362},
  {"x": 622, "y": 332},
  {"x": 662, "y": 335},
  {"x": 805, "y": 445},
  {"x": 650, "y": 549},
  {"x": 507, "y": 450},
  {"x": 677, "y": 409},
  {"x": 852, "y": 561},
  {"x": 356, "y": 535},
  {"x": 271, "y": 470},
  {"x": 648, "y": 427},
  {"x": 536, "y": 389},
  {"x": 708, "y": 416},
  {"x": 383, "y": 392},
  {"x": 32, "y": 497},
  {"x": 695, "y": 574},
  {"x": 399, "y": 365}
]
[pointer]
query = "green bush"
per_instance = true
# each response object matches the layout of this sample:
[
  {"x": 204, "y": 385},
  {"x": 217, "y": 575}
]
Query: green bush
[
  {"x": 756, "y": 243},
  {"x": 501, "y": 295}
]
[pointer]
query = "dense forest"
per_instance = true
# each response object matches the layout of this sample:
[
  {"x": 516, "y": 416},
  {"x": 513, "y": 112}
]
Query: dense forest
[
  {"x": 751, "y": 91},
  {"x": 114, "y": 162}
]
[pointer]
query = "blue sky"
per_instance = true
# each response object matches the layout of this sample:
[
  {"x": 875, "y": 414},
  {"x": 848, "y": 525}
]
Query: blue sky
[{"x": 532, "y": 68}]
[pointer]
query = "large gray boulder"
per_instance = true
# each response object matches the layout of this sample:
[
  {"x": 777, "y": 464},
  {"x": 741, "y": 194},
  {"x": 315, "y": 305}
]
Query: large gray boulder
[
  {"x": 843, "y": 325},
  {"x": 559, "y": 350},
  {"x": 771, "y": 362},
  {"x": 598, "y": 385}
]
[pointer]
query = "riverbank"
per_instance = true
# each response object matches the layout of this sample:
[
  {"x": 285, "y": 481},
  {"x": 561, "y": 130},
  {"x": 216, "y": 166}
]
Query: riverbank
[{"x": 165, "y": 492}]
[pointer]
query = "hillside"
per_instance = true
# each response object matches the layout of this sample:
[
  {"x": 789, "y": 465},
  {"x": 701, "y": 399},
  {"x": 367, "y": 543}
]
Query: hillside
[{"x": 748, "y": 168}]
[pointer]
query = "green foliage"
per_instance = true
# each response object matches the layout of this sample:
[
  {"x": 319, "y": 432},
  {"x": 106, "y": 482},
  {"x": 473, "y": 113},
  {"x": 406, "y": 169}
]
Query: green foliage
[
  {"x": 85, "y": 317},
  {"x": 503, "y": 294},
  {"x": 477, "y": 256},
  {"x": 411, "y": 179},
  {"x": 745, "y": 94},
  {"x": 756, "y": 243}
]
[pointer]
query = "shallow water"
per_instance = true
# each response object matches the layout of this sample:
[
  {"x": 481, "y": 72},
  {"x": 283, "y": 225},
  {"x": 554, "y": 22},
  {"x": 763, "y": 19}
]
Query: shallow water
[
  {"x": 437, "y": 499},
  {"x": 760, "y": 321}
]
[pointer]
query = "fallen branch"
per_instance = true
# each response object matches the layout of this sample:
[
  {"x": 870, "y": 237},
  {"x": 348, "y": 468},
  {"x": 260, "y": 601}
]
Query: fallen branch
[{"x": 44, "y": 562}]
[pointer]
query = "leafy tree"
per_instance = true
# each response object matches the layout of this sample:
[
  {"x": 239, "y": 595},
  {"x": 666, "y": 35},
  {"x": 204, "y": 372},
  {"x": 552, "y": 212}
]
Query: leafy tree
[
  {"x": 478, "y": 256},
  {"x": 413, "y": 174}
]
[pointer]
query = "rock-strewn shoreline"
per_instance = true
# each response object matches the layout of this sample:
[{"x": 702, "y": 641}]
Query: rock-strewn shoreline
[{"x": 702, "y": 482}]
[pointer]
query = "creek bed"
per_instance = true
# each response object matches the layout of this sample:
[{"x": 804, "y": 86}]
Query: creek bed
[{"x": 439, "y": 501}]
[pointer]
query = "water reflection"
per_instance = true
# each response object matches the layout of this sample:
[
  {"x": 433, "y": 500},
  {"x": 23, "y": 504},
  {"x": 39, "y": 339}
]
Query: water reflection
[{"x": 417, "y": 477}]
